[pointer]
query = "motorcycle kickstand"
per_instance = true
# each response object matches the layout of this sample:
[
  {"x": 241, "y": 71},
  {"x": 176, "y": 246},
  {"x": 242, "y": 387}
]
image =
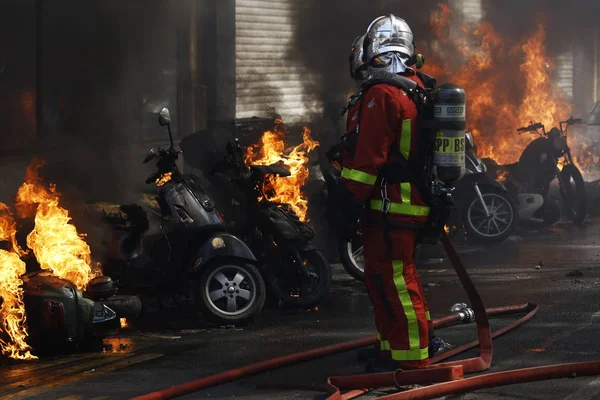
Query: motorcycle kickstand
[
  {"x": 480, "y": 197},
  {"x": 302, "y": 268}
]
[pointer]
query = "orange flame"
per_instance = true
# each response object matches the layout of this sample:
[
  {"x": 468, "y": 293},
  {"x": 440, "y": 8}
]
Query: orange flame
[
  {"x": 271, "y": 149},
  {"x": 12, "y": 308},
  {"x": 508, "y": 86},
  {"x": 55, "y": 242},
  {"x": 164, "y": 179}
]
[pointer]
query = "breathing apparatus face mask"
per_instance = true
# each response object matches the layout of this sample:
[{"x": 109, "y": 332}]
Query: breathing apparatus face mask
[{"x": 392, "y": 62}]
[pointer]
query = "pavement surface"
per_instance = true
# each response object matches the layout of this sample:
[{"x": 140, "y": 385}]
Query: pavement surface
[{"x": 566, "y": 286}]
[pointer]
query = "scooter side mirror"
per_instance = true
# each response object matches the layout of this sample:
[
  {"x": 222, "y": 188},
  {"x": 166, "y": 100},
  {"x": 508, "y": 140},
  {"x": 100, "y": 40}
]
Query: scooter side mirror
[
  {"x": 164, "y": 117},
  {"x": 151, "y": 154}
]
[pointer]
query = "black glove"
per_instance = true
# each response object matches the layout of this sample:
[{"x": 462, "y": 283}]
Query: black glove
[{"x": 346, "y": 212}]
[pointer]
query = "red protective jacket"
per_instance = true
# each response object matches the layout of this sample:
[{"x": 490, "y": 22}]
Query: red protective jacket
[{"x": 388, "y": 118}]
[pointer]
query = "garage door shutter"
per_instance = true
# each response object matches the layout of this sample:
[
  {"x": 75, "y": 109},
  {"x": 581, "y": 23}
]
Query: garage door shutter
[
  {"x": 267, "y": 81},
  {"x": 565, "y": 73}
]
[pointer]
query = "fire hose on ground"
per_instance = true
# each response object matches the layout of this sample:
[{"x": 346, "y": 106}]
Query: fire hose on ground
[{"x": 442, "y": 378}]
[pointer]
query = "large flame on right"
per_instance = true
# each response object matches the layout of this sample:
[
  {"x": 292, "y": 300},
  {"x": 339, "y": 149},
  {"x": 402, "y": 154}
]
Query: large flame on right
[{"x": 508, "y": 84}]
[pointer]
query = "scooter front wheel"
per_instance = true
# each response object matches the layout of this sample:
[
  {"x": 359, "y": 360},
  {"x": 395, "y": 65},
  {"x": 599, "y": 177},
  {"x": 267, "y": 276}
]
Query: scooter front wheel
[
  {"x": 231, "y": 291},
  {"x": 293, "y": 288},
  {"x": 574, "y": 194}
]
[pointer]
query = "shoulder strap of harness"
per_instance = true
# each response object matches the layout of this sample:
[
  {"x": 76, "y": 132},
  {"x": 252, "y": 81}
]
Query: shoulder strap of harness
[
  {"x": 401, "y": 82},
  {"x": 351, "y": 101}
]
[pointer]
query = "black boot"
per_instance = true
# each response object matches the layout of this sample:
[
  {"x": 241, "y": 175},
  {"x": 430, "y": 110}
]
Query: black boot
[
  {"x": 380, "y": 365},
  {"x": 368, "y": 353}
]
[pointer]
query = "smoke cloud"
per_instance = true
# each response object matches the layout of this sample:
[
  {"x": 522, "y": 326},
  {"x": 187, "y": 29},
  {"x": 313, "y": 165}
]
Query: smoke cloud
[
  {"x": 327, "y": 29},
  {"x": 568, "y": 23},
  {"x": 108, "y": 67}
]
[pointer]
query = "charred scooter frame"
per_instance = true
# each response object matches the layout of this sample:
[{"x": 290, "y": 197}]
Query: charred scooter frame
[
  {"x": 202, "y": 258},
  {"x": 297, "y": 273}
]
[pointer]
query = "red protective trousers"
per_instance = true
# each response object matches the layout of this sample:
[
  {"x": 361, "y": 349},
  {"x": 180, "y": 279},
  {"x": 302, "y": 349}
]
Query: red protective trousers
[{"x": 401, "y": 312}]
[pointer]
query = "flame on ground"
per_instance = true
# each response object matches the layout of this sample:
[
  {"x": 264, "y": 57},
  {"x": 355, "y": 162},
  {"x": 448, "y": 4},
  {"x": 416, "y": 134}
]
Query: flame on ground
[
  {"x": 272, "y": 149},
  {"x": 123, "y": 322},
  {"x": 508, "y": 85},
  {"x": 55, "y": 242},
  {"x": 12, "y": 308}
]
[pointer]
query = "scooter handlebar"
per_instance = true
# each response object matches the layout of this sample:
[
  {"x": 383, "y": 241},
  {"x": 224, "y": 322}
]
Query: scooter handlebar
[{"x": 530, "y": 128}]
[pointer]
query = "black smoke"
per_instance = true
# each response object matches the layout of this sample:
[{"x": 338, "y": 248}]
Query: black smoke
[
  {"x": 324, "y": 36},
  {"x": 567, "y": 24},
  {"x": 107, "y": 66}
]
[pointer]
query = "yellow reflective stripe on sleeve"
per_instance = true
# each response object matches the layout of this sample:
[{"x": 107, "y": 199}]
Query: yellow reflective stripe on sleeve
[
  {"x": 359, "y": 176},
  {"x": 427, "y": 315},
  {"x": 414, "y": 351},
  {"x": 402, "y": 209},
  {"x": 405, "y": 192},
  {"x": 405, "y": 139}
]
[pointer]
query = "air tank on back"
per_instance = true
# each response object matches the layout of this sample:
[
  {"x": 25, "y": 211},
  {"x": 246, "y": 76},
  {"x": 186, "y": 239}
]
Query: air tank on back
[{"x": 449, "y": 105}]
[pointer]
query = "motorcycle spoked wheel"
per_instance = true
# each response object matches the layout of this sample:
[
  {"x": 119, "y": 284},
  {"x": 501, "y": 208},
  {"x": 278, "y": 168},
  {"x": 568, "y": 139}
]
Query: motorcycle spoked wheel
[
  {"x": 352, "y": 256},
  {"x": 293, "y": 290},
  {"x": 496, "y": 228},
  {"x": 574, "y": 194},
  {"x": 231, "y": 291}
]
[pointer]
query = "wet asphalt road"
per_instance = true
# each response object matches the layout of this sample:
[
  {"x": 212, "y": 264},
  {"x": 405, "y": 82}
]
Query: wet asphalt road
[{"x": 566, "y": 329}]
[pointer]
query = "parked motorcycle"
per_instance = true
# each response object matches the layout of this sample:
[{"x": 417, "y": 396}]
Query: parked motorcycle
[
  {"x": 297, "y": 273},
  {"x": 540, "y": 163},
  {"x": 482, "y": 206},
  {"x": 191, "y": 251}
]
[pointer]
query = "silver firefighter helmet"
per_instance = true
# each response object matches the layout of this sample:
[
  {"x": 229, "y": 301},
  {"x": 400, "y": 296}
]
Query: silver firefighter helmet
[
  {"x": 358, "y": 69},
  {"x": 388, "y": 33}
]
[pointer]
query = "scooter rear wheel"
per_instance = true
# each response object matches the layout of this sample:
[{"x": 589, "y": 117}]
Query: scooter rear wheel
[
  {"x": 292, "y": 289},
  {"x": 232, "y": 292},
  {"x": 494, "y": 228},
  {"x": 352, "y": 257}
]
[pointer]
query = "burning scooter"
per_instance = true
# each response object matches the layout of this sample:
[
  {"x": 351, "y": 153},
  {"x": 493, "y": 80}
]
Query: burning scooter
[
  {"x": 186, "y": 248},
  {"x": 298, "y": 274},
  {"x": 540, "y": 163}
]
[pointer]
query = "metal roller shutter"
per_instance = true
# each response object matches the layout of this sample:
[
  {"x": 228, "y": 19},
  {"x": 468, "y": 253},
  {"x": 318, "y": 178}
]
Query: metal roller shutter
[
  {"x": 470, "y": 11},
  {"x": 266, "y": 79},
  {"x": 565, "y": 73}
]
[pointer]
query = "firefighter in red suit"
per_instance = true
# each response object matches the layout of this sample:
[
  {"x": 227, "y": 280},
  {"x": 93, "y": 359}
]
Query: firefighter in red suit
[{"x": 390, "y": 212}]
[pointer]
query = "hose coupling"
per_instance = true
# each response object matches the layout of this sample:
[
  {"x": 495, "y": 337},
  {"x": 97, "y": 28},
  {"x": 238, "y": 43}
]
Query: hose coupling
[{"x": 466, "y": 314}]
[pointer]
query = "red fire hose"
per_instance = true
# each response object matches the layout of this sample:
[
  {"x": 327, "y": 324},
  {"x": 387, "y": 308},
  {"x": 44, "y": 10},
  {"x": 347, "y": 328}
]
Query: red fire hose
[{"x": 444, "y": 378}]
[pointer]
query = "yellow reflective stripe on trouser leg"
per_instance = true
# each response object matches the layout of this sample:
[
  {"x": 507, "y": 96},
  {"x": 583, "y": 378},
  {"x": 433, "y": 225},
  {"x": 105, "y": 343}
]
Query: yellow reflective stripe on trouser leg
[
  {"x": 405, "y": 138},
  {"x": 428, "y": 315},
  {"x": 414, "y": 351},
  {"x": 359, "y": 176},
  {"x": 405, "y": 192}
]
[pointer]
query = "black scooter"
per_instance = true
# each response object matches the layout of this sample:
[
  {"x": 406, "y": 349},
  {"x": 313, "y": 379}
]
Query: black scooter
[
  {"x": 298, "y": 274},
  {"x": 540, "y": 163},
  {"x": 189, "y": 251}
]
